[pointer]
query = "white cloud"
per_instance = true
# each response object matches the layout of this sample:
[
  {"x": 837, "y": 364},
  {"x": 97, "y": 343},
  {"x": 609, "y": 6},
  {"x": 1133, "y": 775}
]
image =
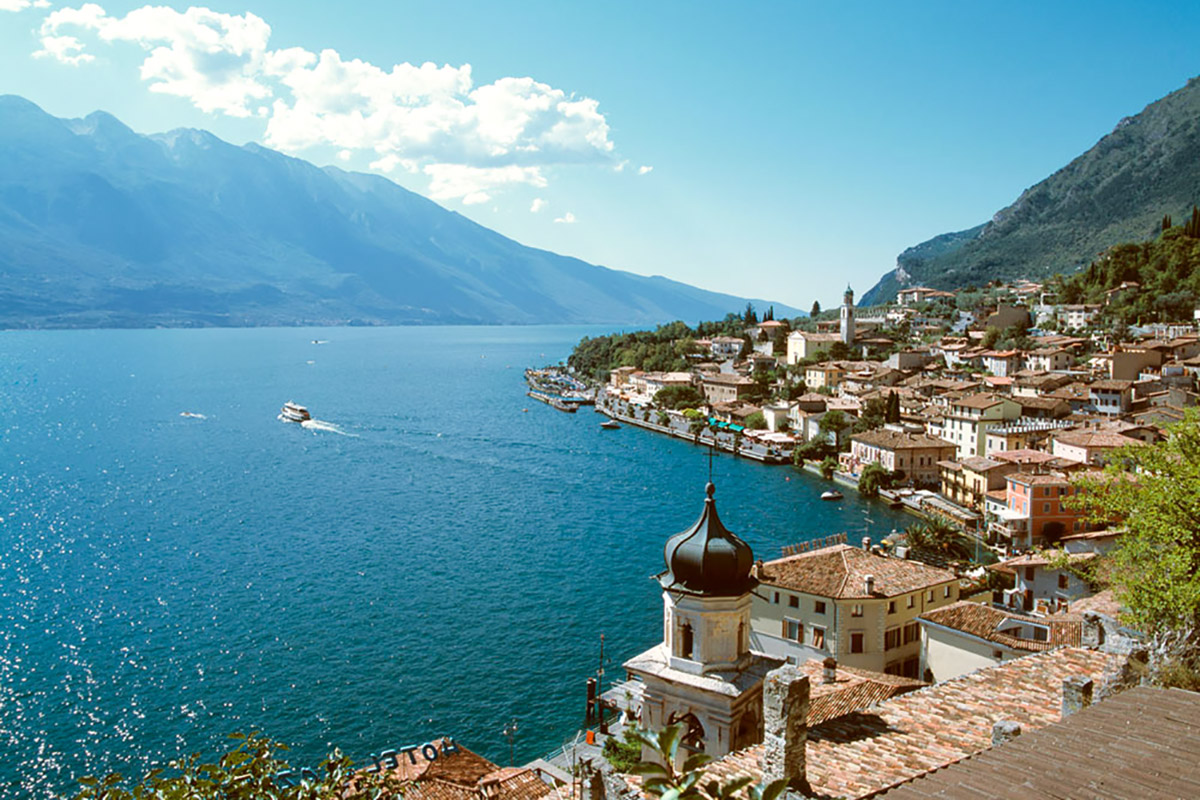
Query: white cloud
[
  {"x": 344, "y": 155},
  {"x": 14, "y": 5},
  {"x": 470, "y": 140},
  {"x": 537, "y": 205},
  {"x": 41, "y": 3},
  {"x": 642, "y": 170},
  {"x": 566, "y": 219}
]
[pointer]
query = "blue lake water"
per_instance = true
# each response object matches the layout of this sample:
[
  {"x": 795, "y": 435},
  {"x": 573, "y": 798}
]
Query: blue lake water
[{"x": 433, "y": 561}]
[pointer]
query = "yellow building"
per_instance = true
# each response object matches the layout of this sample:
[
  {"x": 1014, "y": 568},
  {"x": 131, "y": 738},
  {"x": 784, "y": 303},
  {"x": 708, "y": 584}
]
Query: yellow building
[{"x": 849, "y": 603}]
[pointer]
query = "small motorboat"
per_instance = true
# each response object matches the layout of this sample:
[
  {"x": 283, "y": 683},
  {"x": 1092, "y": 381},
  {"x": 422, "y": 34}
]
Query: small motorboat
[
  {"x": 294, "y": 413},
  {"x": 610, "y": 424},
  {"x": 832, "y": 494}
]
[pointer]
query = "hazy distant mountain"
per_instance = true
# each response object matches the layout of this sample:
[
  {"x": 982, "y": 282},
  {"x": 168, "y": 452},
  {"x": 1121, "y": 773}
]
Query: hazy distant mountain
[
  {"x": 101, "y": 226},
  {"x": 1115, "y": 192}
]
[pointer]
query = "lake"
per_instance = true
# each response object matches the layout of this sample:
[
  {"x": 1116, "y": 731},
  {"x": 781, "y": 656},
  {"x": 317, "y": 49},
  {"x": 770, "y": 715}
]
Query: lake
[{"x": 430, "y": 559}]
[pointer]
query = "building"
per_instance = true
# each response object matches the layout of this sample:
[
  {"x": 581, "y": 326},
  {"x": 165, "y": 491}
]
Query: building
[
  {"x": 914, "y": 455},
  {"x": 703, "y": 674},
  {"x": 1111, "y": 397},
  {"x": 456, "y": 773},
  {"x": 724, "y": 387},
  {"x": 823, "y": 376},
  {"x": 803, "y": 345},
  {"x": 971, "y": 417},
  {"x": 1001, "y": 363},
  {"x": 1041, "y": 585},
  {"x": 849, "y": 603},
  {"x": 920, "y": 294},
  {"x": 724, "y": 348},
  {"x": 1049, "y": 359},
  {"x": 968, "y": 481},
  {"x": 1023, "y": 434},
  {"x": 1089, "y": 445},
  {"x": 1076, "y": 315},
  {"x": 846, "y": 327},
  {"x": 1036, "y": 510},
  {"x": 966, "y": 636}
]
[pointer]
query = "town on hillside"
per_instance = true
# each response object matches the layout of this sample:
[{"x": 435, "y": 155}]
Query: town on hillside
[{"x": 914, "y": 667}]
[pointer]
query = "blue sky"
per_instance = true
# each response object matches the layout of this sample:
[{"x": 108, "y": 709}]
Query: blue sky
[{"x": 765, "y": 149}]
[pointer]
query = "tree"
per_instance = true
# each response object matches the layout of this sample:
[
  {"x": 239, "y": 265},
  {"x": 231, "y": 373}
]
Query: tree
[
  {"x": 873, "y": 478},
  {"x": 990, "y": 337},
  {"x": 770, "y": 315},
  {"x": 873, "y": 415},
  {"x": 253, "y": 770},
  {"x": 1166, "y": 222},
  {"x": 676, "y": 397},
  {"x": 834, "y": 422},
  {"x": 816, "y": 308},
  {"x": 696, "y": 427},
  {"x": 756, "y": 421},
  {"x": 828, "y": 467},
  {"x": 749, "y": 316},
  {"x": 1154, "y": 568},
  {"x": 662, "y": 780},
  {"x": 893, "y": 406}
]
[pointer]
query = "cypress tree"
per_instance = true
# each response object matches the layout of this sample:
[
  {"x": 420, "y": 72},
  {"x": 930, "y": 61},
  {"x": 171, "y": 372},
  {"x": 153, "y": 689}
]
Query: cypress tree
[
  {"x": 816, "y": 308},
  {"x": 1166, "y": 223}
]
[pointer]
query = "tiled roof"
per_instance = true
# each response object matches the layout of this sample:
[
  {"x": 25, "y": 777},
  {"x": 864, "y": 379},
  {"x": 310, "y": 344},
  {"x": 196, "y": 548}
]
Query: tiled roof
[
  {"x": 1094, "y": 438},
  {"x": 1023, "y": 456},
  {"x": 1038, "y": 559},
  {"x": 982, "y": 621},
  {"x": 978, "y": 401},
  {"x": 895, "y": 440},
  {"x": 1030, "y": 479},
  {"x": 1112, "y": 386},
  {"x": 866, "y": 752},
  {"x": 840, "y": 572},
  {"x": 980, "y": 463},
  {"x": 1142, "y": 743},
  {"x": 852, "y": 690}
]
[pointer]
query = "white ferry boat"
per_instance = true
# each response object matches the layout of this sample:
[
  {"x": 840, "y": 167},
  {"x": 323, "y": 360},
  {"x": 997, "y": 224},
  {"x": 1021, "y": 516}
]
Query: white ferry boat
[{"x": 294, "y": 413}]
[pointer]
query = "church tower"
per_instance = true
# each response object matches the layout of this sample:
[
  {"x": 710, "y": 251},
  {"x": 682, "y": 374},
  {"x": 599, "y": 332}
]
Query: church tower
[
  {"x": 704, "y": 674},
  {"x": 847, "y": 327}
]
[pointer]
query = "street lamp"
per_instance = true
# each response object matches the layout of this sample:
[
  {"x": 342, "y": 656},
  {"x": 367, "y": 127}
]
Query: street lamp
[{"x": 510, "y": 731}]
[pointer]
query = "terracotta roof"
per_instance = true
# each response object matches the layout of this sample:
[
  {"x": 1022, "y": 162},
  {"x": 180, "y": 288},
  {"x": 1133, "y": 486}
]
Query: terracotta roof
[
  {"x": 984, "y": 622},
  {"x": 895, "y": 440},
  {"x": 978, "y": 401},
  {"x": 1037, "y": 560},
  {"x": 1030, "y": 479},
  {"x": 1141, "y": 743},
  {"x": 1095, "y": 438},
  {"x": 1112, "y": 386},
  {"x": 1023, "y": 456},
  {"x": 980, "y": 463},
  {"x": 840, "y": 572},
  {"x": 852, "y": 690},
  {"x": 865, "y": 752}
]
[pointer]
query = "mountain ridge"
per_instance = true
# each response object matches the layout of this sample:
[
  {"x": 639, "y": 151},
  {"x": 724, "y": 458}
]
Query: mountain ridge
[
  {"x": 1118, "y": 190},
  {"x": 101, "y": 226}
]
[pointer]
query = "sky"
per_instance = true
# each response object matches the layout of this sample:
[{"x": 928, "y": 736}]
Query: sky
[{"x": 777, "y": 150}]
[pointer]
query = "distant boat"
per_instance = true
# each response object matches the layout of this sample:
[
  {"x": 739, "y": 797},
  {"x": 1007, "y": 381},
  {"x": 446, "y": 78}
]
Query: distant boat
[
  {"x": 192, "y": 414},
  {"x": 832, "y": 494},
  {"x": 610, "y": 424},
  {"x": 294, "y": 413}
]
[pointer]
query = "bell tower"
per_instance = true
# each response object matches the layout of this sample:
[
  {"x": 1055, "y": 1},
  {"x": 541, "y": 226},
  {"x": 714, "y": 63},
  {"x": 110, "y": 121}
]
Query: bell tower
[
  {"x": 847, "y": 317},
  {"x": 704, "y": 674}
]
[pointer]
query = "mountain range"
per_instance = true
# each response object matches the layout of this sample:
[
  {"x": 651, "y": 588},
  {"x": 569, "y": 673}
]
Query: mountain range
[
  {"x": 1118, "y": 191},
  {"x": 104, "y": 227}
]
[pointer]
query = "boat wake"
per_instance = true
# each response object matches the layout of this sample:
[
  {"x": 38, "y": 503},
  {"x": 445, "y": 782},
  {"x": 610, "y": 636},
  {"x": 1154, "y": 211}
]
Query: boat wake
[{"x": 327, "y": 427}]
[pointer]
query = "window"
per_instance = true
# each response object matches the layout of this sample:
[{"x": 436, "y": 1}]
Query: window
[
  {"x": 777, "y": 598},
  {"x": 1062, "y": 580},
  {"x": 929, "y": 596},
  {"x": 1045, "y": 508},
  {"x": 891, "y": 606},
  {"x": 856, "y": 610},
  {"x": 857, "y": 641},
  {"x": 793, "y": 601},
  {"x": 891, "y": 638},
  {"x": 1029, "y": 573},
  {"x": 793, "y": 630},
  {"x": 685, "y": 641},
  {"x": 818, "y": 638},
  {"x": 819, "y": 606},
  {"x": 912, "y": 632},
  {"x": 912, "y": 600},
  {"x": 945, "y": 591}
]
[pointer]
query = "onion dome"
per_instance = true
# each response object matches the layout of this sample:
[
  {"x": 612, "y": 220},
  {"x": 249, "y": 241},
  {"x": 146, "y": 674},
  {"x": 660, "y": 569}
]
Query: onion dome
[{"x": 707, "y": 559}]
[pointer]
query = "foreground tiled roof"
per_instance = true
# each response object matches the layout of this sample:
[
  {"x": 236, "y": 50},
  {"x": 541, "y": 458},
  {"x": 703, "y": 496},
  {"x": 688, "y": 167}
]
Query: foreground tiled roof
[
  {"x": 1143, "y": 743},
  {"x": 866, "y": 752},
  {"x": 896, "y": 440},
  {"x": 1094, "y": 438},
  {"x": 982, "y": 621},
  {"x": 840, "y": 572},
  {"x": 852, "y": 690}
]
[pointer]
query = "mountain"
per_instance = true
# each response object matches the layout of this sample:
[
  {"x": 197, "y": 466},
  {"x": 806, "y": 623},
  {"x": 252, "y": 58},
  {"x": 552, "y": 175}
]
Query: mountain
[
  {"x": 104, "y": 227},
  {"x": 1119, "y": 190}
]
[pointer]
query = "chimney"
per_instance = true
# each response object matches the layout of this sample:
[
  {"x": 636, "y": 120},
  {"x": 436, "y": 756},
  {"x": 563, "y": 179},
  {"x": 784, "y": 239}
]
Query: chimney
[
  {"x": 870, "y": 580},
  {"x": 1077, "y": 694},
  {"x": 829, "y": 671},
  {"x": 1005, "y": 730},
  {"x": 866, "y": 542},
  {"x": 785, "y": 727}
]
